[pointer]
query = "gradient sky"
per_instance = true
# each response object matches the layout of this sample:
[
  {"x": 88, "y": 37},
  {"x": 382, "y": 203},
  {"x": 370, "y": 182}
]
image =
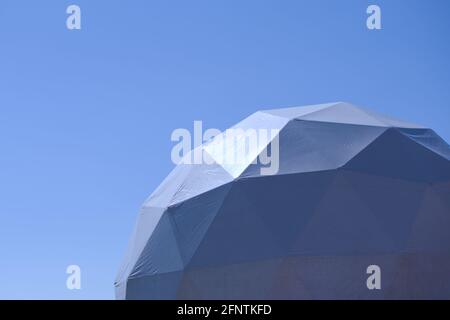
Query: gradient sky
[{"x": 86, "y": 116}]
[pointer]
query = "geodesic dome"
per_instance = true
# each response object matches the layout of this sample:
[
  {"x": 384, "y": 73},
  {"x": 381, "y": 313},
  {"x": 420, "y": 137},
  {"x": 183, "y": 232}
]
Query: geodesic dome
[{"x": 353, "y": 189}]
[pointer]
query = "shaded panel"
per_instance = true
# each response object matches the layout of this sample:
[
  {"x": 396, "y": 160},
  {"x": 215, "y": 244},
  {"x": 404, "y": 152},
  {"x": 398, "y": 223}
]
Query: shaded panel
[
  {"x": 394, "y": 155},
  {"x": 156, "y": 287},
  {"x": 393, "y": 202},
  {"x": 146, "y": 222},
  {"x": 431, "y": 228},
  {"x": 251, "y": 280},
  {"x": 342, "y": 224},
  {"x": 308, "y": 146},
  {"x": 192, "y": 218},
  {"x": 161, "y": 253},
  {"x": 261, "y": 217},
  {"x": 429, "y": 139}
]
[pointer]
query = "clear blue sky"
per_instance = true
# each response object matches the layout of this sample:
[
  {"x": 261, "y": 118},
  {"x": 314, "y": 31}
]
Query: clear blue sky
[{"x": 86, "y": 116}]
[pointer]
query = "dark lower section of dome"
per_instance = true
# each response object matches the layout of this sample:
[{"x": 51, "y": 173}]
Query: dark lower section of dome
[{"x": 402, "y": 276}]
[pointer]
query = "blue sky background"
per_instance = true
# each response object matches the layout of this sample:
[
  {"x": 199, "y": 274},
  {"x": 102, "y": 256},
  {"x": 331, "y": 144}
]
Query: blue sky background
[{"x": 86, "y": 116}]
